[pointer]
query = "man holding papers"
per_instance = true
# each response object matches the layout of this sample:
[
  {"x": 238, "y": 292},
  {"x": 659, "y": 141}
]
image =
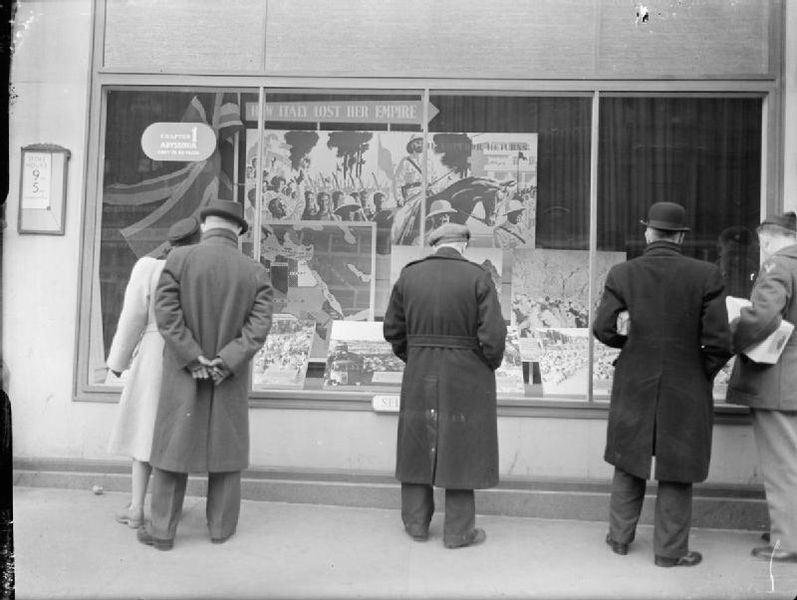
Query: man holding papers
[{"x": 770, "y": 390}]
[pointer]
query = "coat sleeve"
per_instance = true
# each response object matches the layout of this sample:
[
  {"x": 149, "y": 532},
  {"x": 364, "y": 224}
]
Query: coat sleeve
[
  {"x": 715, "y": 334},
  {"x": 238, "y": 352},
  {"x": 394, "y": 328},
  {"x": 771, "y": 294},
  {"x": 132, "y": 319},
  {"x": 169, "y": 313},
  {"x": 491, "y": 331},
  {"x": 611, "y": 305}
]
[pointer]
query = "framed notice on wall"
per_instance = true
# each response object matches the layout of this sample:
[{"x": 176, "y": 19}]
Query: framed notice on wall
[{"x": 42, "y": 189}]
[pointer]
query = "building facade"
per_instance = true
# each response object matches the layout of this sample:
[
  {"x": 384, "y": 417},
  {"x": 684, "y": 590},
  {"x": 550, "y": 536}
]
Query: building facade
[{"x": 348, "y": 130}]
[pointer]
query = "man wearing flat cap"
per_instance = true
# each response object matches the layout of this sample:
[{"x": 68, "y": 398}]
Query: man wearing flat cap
[
  {"x": 444, "y": 321},
  {"x": 769, "y": 390},
  {"x": 677, "y": 339},
  {"x": 213, "y": 307}
]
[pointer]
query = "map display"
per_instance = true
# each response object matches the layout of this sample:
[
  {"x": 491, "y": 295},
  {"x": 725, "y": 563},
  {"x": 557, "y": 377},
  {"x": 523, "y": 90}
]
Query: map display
[
  {"x": 321, "y": 271},
  {"x": 550, "y": 288}
]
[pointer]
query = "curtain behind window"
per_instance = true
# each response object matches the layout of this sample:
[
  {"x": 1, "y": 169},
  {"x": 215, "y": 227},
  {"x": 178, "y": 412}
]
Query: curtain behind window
[{"x": 704, "y": 153}]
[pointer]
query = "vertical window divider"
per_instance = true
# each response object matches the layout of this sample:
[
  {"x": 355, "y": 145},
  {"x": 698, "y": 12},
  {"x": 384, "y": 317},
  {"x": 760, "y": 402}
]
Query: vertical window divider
[
  {"x": 764, "y": 155},
  {"x": 593, "y": 238},
  {"x": 425, "y": 165},
  {"x": 256, "y": 233}
]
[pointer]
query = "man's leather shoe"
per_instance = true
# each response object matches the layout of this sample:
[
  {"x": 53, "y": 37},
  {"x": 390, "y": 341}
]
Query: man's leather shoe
[
  {"x": 769, "y": 553},
  {"x": 419, "y": 534},
  {"x": 475, "y": 537},
  {"x": 690, "y": 559},
  {"x": 145, "y": 538},
  {"x": 617, "y": 547}
]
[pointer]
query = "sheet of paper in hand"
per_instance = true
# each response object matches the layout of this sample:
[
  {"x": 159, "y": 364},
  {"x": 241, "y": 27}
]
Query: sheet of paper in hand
[
  {"x": 769, "y": 350},
  {"x": 623, "y": 324}
]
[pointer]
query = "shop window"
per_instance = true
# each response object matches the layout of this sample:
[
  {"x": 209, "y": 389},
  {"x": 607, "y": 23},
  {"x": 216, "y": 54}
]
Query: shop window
[
  {"x": 327, "y": 219},
  {"x": 534, "y": 230},
  {"x": 342, "y": 189},
  {"x": 704, "y": 153},
  {"x": 196, "y": 153}
]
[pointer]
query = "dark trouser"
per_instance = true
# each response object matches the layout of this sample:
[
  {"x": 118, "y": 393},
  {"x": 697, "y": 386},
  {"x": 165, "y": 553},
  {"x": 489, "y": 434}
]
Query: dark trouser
[
  {"x": 673, "y": 516},
  {"x": 222, "y": 507},
  {"x": 417, "y": 508}
]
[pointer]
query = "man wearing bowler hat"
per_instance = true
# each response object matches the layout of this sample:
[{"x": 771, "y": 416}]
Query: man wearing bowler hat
[
  {"x": 213, "y": 307},
  {"x": 769, "y": 389},
  {"x": 675, "y": 340},
  {"x": 444, "y": 321}
]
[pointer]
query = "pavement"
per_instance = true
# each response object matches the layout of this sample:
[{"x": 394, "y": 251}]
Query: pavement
[{"x": 67, "y": 545}]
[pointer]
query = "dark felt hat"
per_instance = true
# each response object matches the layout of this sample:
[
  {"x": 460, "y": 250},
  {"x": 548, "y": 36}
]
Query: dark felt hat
[
  {"x": 449, "y": 232},
  {"x": 786, "y": 220},
  {"x": 667, "y": 216},
  {"x": 183, "y": 230},
  {"x": 227, "y": 209}
]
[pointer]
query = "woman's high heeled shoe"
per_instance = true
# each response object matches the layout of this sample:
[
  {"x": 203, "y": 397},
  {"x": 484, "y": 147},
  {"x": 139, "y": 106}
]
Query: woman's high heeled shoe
[{"x": 127, "y": 516}]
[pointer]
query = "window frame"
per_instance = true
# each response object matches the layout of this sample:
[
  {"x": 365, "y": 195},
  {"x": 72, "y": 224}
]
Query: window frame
[{"x": 580, "y": 407}]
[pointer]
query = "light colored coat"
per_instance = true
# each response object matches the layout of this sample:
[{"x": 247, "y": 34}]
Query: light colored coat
[
  {"x": 772, "y": 387},
  {"x": 211, "y": 301},
  {"x": 137, "y": 339}
]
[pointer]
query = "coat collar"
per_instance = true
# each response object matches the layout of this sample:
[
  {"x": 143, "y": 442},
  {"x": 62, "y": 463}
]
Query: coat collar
[
  {"x": 790, "y": 251},
  {"x": 447, "y": 252},
  {"x": 662, "y": 248},
  {"x": 220, "y": 236}
]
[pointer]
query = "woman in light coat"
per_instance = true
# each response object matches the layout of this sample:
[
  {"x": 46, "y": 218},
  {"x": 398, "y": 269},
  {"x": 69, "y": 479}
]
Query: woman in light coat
[{"x": 138, "y": 345}]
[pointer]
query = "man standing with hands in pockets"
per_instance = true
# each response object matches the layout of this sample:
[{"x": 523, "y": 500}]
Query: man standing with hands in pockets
[
  {"x": 213, "y": 307},
  {"x": 444, "y": 320}
]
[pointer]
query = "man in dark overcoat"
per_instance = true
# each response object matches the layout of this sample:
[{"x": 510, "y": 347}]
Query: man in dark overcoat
[
  {"x": 444, "y": 321},
  {"x": 213, "y": 307},
  {"x": 677, "y": 340}
]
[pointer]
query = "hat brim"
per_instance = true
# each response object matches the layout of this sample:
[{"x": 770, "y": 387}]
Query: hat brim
[
  {"x": 207, "y": 212},
  {"x": 663, "y": 226},
  {"x": 352, "y": 206}
]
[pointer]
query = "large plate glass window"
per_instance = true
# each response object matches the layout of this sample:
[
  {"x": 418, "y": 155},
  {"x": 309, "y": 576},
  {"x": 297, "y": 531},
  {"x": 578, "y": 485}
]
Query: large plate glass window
[
  {"x": 166, "y": 152},
  {"x": 702, "y": 152},
  {"x": 515, "y": 169},
  {"x": 327, "y": 187}
]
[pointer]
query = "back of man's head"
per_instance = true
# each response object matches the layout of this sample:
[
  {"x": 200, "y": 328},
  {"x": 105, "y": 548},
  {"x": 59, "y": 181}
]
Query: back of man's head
[
  {"x": 656, "y": 235},
  {"x": 217, "y": 222},
  {"x": 451, "y": 235},
  {"x": 784, "y": 225}
]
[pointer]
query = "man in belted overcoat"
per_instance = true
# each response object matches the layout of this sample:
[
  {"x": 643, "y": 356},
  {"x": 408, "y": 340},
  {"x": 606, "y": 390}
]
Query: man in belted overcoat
[
  {"x": 213, "y": 307},
  {"x": 444, "y": 321},
  {"x": 678, "y": 338}
]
